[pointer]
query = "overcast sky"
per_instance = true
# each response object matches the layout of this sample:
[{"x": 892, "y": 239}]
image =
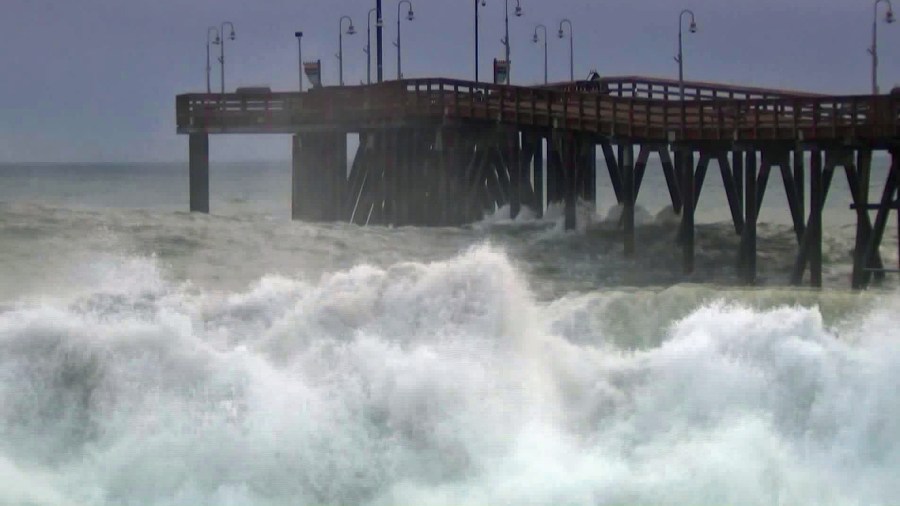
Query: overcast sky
[{"x": 95, "y": 80}]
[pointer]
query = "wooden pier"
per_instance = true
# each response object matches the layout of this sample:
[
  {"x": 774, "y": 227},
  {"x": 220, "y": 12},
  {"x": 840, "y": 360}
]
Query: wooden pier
[{"x": 443, "y": 152}]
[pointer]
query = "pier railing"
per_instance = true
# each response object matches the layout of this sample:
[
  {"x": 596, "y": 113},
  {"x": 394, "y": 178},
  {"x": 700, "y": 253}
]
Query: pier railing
[
  {"x": 669, "y": 89},
  {"x": 650, "y": 109}
]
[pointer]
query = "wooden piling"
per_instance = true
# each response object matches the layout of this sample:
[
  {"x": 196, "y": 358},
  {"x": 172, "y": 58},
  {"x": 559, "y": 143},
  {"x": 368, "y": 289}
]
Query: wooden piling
[
  {"x": 569, "y": 149},
  {"x": 863, "y": 225},
  {"x": 537, "y": 175},
  {"x": 817, "y": 195},
  {"x": 885, "y": 206},
  {"x": 627, "y": 172},
  {"x": 300, "y": 194},
  {"x": 799, "y": 166},
  {"x": 515, "y": 174},
  {"x": 612, "y": 167},
  {"x": 731, "y": 192},
  {"x": 748, "y": 238},
  {"x": 672, "y": 182},
  {"x": 588, "y": 168},
  {"x": 555, "y": 172},
  {"x": 688, "y": 207},
  {"x": 737, "y": 168},
  {"x": 198, "y": 172}
]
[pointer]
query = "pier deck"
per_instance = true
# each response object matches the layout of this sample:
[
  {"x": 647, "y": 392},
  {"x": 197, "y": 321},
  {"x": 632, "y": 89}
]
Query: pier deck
[{"x": 437, "y": 152}]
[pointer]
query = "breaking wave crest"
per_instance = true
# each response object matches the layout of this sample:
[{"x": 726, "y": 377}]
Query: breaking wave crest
[{"x": 444, "y": 383}]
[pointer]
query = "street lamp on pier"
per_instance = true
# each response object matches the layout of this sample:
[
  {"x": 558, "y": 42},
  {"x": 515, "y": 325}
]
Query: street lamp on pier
[
  {"x": 506, "y": 37},
  {"x": 209, "y": 41},
  {"x": 299, "y": 36},
  {"x": 340, "y": 56},
  {"x": 888, "y": 18},
  {"x": 409, "y": 16},
  {"x": 220, "y": 41},
  {"x": 562, "y": 34},
  {"x": 680, "y": 57},
  {"x": 536, "y": 40}
]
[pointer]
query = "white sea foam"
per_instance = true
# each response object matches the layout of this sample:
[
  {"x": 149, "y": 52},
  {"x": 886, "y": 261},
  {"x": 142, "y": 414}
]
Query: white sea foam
[{"x": 440, "y": 383}]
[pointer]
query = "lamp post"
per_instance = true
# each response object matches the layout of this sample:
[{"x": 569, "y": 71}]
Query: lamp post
[
  {"x": 506, "y": 37},
  {"x": 220, "y": 40},
  {"x": 536, "y": 40},
  {"x": 888, "y": 18},
  {"x": 368, "y": 48},
  {"x": 378, "y": 36},
  {"x": 562, "y": 34},
  {"x": 410, "y": 16},
  {"x": 299, "y": 36},
  {"x": 483, "y": 3},
  {"x": 209, "y": 31},
  {"x": 350, "y": 31},
  {"x": 680, "y": 57}
]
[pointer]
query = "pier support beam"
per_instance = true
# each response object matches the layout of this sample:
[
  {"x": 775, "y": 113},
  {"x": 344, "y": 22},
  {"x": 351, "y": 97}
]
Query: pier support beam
[
  {"x": 863, "y": 224},
  {"x": 514, "y": 167},
  {"x": 685, "y": 157},
  {"x": 612, "y": 166},
  {"x": 668, "y": 168},
  {"x": 811, "y": 244},
  {"x": 300, "y": 186},
  {"x": 555, "y": 172},
  {"x": 198, "y": 172},
  {"x": 569, "y": 151},
  {"x": 587, "y": 162},
  {"x": 751, "y": 213},
  {"x": 735, "y": 200},
  {"x": 629, "y": 194},
  {"x": 537, "y": 175},
  {"x": 888, "y": 203},
  {"x": 817, "y": 195},
  {"x": 319, "y": 176}
]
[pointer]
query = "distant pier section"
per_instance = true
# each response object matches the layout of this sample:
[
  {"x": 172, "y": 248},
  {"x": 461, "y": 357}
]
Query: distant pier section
[{"x": 443, "y": 152}]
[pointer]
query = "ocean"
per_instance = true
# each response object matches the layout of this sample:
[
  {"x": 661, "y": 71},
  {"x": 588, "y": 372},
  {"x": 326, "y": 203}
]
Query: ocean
[{"x": 149, "y": 356}]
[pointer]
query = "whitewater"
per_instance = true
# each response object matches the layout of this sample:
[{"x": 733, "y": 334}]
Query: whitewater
[{"x": 153, "y": 357}]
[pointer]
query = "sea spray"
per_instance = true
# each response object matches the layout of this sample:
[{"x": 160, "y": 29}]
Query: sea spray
[{"x": 441, "y": 383}]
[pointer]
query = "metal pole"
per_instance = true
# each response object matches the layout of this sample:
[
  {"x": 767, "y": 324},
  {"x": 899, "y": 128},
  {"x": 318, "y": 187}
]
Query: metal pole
[
  {"x": 546, "y": 75},
  {"x": 535, "y": 39},
  {"x": 299, "y": 36},
  {"x": 369, "y": 46},
  {"x": 506, "y": 43},
  {"x": 379, "y": 29},
  {"x": 571, "y": 46},
  {"x": 410, "y": 17},
  {"x": 209, "y": 30},
  {"x": 350, "y": 31},
  {"x": 680, "y": 64},
  {"x": 222, "y": 49},
  {"x": 571, "y": 53},
  {"x": 874, "y": 49},
  {"x": 222, "y": 63},
  {"x": 506, "y": 39},
  {"x": 476, "y": 40},
  {"x": 680, "y": 58}
]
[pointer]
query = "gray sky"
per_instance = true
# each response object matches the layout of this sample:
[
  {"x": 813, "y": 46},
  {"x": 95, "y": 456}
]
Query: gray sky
[{"x": 95, "y": 80}]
